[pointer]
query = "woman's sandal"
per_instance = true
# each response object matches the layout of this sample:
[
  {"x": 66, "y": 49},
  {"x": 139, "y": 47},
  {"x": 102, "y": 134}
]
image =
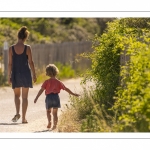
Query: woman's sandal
[
  {"x": 49, "y": 125},
  {"x": 24, "y": 122},
  {"x": 16, "y": 117}
]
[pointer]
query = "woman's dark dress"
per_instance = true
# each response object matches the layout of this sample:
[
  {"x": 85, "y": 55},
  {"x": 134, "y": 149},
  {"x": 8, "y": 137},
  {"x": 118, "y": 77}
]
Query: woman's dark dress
[{"x": 21, "y": 74}]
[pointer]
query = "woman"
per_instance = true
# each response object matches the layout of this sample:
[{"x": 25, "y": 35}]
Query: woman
[{"x": 19, "y": 74}]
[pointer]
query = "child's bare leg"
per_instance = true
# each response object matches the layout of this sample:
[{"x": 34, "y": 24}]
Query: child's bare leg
[
  {"x": 55, "y": 117},
  {"x": 49, "y": 118}
]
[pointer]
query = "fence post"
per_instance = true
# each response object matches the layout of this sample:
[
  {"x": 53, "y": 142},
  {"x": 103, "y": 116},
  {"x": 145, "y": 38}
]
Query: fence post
[
  {"x": 5, "y": 58},
  {"x": 124, "y": 59}
]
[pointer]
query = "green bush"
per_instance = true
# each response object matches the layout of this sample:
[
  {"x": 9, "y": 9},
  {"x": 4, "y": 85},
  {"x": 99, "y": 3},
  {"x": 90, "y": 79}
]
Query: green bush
[
  {"x": 2, "y": 78},
  {"x": 88, "y": 112},
  {"x": 122, "y": 92},
  {"x": 133, "y": 101},
  {"x": 65, "y": 72},
  {"x": 106, "y": 64},
  {"x": 104, "y": 73},
  {"x": 51, "y": 30}
]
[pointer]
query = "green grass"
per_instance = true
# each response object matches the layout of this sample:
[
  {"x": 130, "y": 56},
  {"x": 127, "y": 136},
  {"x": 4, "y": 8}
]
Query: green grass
[
  {"x": 65, "y": 72},
  {"x": 3, "y": 80},
  {"x": 84, "y": 115}
]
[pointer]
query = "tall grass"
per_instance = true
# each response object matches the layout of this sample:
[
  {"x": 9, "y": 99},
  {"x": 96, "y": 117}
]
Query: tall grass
[
  {"x": 69, "y": 121},
  {"x": 120, "y": 102},
  {"x": 84, "y": 115}
]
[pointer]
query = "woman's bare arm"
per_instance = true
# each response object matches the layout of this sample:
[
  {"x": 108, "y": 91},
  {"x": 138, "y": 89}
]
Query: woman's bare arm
[
  {"x": 9, "y": 65},
  {"x": 31, "y": 63}
]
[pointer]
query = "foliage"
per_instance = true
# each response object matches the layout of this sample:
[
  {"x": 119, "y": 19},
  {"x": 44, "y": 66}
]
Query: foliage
[
  {"x": 105, "y": 64},
  {"x": 105, "y": 75},
  {"x": 68, "y": 120},
  {"x": 79, "y": 112},
  {"x": 65, "y": 72},
  {"x": 41, "y": 77},
  {"x": 120, "y": 101},
  {"x": 50, "y": 30},
  {"x": 2, "y": 78},
  {"x": 133, "y": 99}
]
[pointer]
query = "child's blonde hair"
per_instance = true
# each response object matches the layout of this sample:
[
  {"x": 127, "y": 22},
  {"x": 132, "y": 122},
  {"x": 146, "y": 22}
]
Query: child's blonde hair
[{"x": 51, "y": 70}]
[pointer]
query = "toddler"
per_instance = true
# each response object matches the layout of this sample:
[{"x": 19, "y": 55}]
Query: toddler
[{"x": 52, "y": 88}]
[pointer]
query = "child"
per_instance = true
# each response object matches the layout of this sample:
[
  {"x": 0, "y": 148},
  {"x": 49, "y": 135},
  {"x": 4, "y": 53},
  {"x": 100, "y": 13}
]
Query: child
[{"x": 52, "y": 88}]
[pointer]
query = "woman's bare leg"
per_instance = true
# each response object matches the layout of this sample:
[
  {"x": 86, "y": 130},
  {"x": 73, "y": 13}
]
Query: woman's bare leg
[
  {"x": 49, "y": 118},
  {"x": 24, "y": 102},
  {"x": 17, "y": 99},
  {"x": 55, "y": 117}
]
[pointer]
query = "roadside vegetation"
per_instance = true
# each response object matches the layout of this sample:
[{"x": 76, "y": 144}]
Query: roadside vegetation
[
  {"x": 65, "y": 72},
  {"x": 120, "y": 99},
  {"x": 2, "y": 78},
  {"x": 51, "y": 30}
]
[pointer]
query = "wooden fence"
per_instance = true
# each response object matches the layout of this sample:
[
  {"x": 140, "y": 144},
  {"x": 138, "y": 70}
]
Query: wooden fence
[
  {"x": 124, "y": 58},
  {"x": 65, "y": 53}
]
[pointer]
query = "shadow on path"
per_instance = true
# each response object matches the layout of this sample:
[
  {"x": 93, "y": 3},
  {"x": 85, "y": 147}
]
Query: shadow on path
[
  {"x": 42, "y": 131},
  {"x": 10, "y": 123}
]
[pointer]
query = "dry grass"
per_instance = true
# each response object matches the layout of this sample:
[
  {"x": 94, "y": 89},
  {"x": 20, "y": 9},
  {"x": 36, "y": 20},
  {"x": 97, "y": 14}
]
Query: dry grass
[
  {"x": 85, "y": 115},
  {"x": 68, "y": 121}
]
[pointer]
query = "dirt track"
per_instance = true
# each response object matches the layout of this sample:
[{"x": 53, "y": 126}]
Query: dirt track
[{"x": 36, "y": 114}]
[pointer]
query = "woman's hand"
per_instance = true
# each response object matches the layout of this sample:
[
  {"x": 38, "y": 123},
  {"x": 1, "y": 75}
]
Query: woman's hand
[
  {"x": 34, "y": 78},
  {"x": 9, "y": 80}
]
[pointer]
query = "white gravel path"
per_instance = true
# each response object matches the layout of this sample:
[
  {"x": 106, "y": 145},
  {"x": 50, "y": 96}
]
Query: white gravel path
[{"x": 36, "y": 113}]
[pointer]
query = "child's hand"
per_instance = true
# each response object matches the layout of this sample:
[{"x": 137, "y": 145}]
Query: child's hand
[
  {"x": 35, "y": 100},
  {"x": 76, "y": 95}
]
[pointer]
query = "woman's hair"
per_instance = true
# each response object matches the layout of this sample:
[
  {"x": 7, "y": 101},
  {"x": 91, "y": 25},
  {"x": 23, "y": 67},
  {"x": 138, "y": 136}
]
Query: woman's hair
[
  {"x": 51, "y": 70},
  {"x": 23, "y": 33}
]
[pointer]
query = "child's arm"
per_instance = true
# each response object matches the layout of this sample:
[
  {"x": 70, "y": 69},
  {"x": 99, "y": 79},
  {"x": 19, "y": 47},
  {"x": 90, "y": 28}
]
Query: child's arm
[
  {"x": 70, "y": 92},
  {"x": 39, "y": 93}
]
